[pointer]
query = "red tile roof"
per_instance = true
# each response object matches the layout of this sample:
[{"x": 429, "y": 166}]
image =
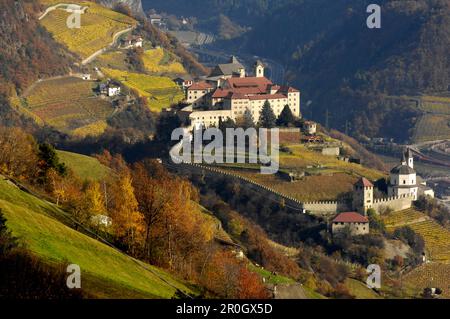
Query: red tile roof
[
  {"x": 364, "y": 182},
  {"x": 267, "y": 97},
  {"x": 201, "y": 86},
  {"x": 350, "y": 217},
  {"x": 221, "y": 93},
  {"x": 238, "y": 96},
  {"x": 249, "y": 85}
]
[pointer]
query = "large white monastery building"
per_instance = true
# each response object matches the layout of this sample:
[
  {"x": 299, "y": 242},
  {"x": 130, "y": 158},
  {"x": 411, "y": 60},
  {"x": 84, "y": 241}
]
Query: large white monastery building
[{"x": 229, "y": 92}]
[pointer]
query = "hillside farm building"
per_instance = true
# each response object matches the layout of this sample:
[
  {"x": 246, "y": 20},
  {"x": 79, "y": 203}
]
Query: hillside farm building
[
  {"x": 109, "y": 89},
  {"x": 356, "y": 223}
]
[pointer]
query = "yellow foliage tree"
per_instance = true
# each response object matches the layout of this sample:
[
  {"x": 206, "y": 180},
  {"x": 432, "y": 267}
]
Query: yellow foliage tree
[{"x": 127, "y": 220}]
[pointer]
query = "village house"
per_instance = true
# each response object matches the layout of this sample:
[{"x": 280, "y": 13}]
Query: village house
[
  {"x": 184, "y": 81},
  {"x": 228, "y": 93},
  {"x": 155, "y": 20},
  {"x": 109, "y": 89},
  {"x": 356, "y": 223},
  {"x": 132, "y": 41},
  {"x": 310, "y": 127},
  {"x": 86, "y": 77}
]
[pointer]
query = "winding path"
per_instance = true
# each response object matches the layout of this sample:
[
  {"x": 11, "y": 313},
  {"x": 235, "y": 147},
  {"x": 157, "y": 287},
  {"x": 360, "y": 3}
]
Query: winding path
[
  {"x": 103, "y": 50},
  {"x": 57, "y": 6}
]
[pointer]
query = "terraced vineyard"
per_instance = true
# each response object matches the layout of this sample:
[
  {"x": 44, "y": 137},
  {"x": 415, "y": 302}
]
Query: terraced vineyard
[
  {"x": 328, "y": 177},
  {"x": 162, "y": 62},
  {"x": 160, "y": 91},
  {"x": 436, "y": 237},
  {"x": 113, "y": 60},
  {"x": 402, "y": 217},
  {"x": 98, "y": 27},
  {"x": 69, "y": 105},
  {"x": 434, "y": 124},
  {"x": 432, "y": 127},
  {"x": 435, "y": 275},
  {"x": 436, "y": 104}
]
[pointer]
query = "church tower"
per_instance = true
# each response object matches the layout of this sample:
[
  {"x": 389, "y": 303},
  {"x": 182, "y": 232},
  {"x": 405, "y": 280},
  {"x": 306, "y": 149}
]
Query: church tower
[
  {"x": 362, "y": 195},
  {"x": 409, "y": 158},
  {"x": 403, "y": 177},
  {"x": 259, "y": 69}
]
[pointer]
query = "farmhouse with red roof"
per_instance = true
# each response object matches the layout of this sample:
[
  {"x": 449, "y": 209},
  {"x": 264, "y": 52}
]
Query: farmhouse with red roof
[{"x": 356, "y": 223}]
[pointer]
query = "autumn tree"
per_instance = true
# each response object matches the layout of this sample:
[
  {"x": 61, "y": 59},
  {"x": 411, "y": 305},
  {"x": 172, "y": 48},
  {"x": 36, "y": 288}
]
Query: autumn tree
[
  {"x": 250, "y": 285},
  {"x": 95, "y": 198},
  {"x": 153, "y": 198},
  {"x": 18, "y": 155},
  {"x": 246, "y": 121},
  {"x": 126, "y": 218}
]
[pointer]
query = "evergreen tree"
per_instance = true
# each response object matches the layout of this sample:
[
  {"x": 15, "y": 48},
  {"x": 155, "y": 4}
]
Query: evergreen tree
[
  {"x": 7, "y": 240},
  {"x": 49, "y": 160},
  {"x": 228, "y": 123},
  {"x": 248, "y": 119},
  {"x": 267, "y": 118},
  {"x": 286, "y": 117}
]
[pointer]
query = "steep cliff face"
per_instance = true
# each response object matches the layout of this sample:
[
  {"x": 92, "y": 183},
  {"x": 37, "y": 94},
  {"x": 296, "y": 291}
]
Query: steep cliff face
[{"x": 135, "y": 5}]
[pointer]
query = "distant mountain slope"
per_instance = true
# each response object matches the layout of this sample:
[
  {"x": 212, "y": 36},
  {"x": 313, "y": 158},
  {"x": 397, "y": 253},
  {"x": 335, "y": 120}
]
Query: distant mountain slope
[
  {"x": 338, "y": 63},
  {"x": 105, "y": 272},
  {"x": 244, "y": 11},
  {"x": 27, "y": 51},
  {"x": 343, "y": 66},
  {"x": 134, "y": 5}
]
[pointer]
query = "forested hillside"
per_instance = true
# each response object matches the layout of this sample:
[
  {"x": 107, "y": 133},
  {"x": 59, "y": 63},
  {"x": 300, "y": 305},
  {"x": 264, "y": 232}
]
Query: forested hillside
[
  {"x": 245, "y": 12},
  {"x": 27, "y": 53},
  {"x": 27, "y": 50},
  {"x": 342, "y": 67},
  {"x": 345, "y": 68}
]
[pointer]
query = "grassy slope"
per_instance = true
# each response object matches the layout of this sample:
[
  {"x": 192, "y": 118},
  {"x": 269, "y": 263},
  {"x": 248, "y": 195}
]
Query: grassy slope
[
  {"x": 85, "y": 167},
  {"x": 360, "y": 290},
  {"x": 105, "y": 271}
]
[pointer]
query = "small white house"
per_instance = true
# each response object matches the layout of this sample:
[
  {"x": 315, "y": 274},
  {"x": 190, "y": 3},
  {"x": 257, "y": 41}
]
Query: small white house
[
  {"x": 133, "y": 42},
  {"x": 155, "y": 19},
  {"x": 310, "y": 127},
  {"x": 86, "y": 77},
  {"x": 109, "y": 89},
  {"x": 101, "y": 220},
  {"x": 113, "y": 90}
]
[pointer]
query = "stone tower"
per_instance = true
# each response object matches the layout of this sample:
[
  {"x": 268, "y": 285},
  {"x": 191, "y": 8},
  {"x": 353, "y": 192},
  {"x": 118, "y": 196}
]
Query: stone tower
[
  {"x": 362, "y": 195},
  {"x": 259, "y": 69}
]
